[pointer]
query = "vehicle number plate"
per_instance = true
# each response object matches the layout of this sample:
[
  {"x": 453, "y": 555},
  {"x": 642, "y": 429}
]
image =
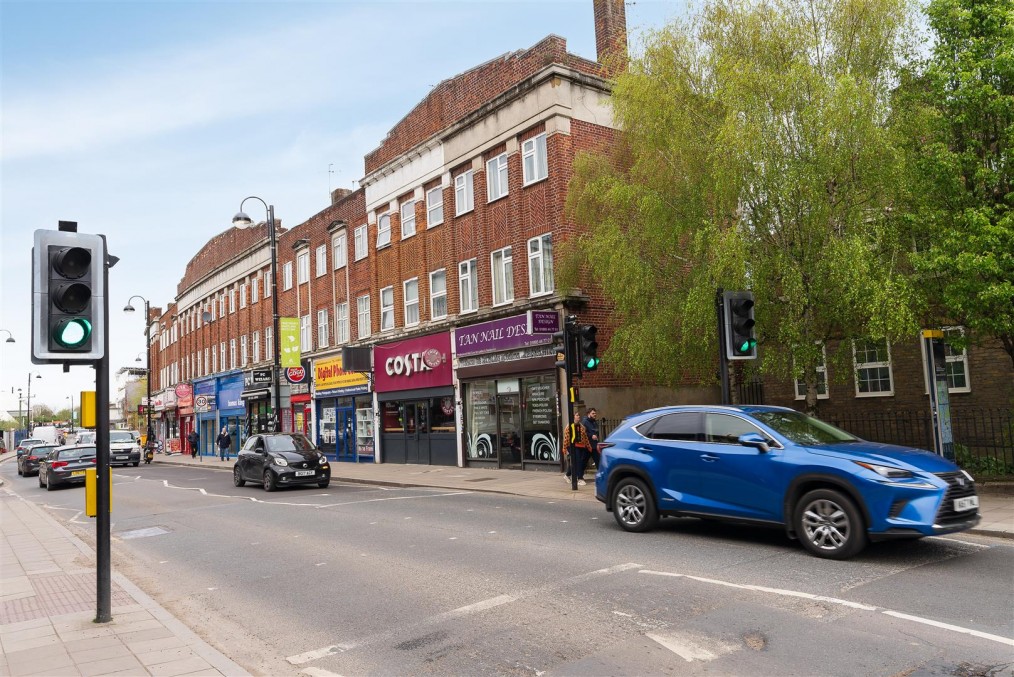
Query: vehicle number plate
[
  {"x": 967, "y": 503},
  {"x": 77, "y": 473},
  {"x": 122, "y": 458},
  {"x": 304, "y": 473}
]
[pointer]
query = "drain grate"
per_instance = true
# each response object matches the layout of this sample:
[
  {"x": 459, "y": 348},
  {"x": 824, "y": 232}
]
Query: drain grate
[{"x": 142, "y": 533}]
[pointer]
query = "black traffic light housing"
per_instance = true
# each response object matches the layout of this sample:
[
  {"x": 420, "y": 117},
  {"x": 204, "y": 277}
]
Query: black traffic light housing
[
  {"x": 588, "y": 348},
  {"x": 68, "y": 297},
  {"x": 740, "y": 336},
  {"x": 566, "y": 351}
]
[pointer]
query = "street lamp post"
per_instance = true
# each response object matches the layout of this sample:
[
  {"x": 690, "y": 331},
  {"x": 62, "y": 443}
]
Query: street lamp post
[
  {"x": 147, "y": 351},
  {"x": 241, "y": 220},
  {"x": 71, "y": 398},
  {"x": 20, "y": 400},
  {"x": 28, "y": 425}
]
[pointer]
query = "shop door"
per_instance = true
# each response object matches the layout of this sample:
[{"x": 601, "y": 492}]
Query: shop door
[
  {"x": 417, "y": 432},
  {"x": 345, "y": 435},
  {"x": 509, "y": 430}
]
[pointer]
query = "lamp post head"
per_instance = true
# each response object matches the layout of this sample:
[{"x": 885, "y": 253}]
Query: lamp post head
[
  {"x": 128, "y": 308},
  {"x": 241, "y": 220},
  {"x": 10, "y": 339}
]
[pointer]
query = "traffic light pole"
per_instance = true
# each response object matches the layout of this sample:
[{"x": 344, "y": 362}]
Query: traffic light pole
[
  {"x": 723, "y": 364},
  {"x": 103, "y": 475}
]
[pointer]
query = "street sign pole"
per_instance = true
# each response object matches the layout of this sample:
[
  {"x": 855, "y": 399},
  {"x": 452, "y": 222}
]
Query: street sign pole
[
  {"x": 723, "y": 364},
  {"x": 103, "y": 557}
]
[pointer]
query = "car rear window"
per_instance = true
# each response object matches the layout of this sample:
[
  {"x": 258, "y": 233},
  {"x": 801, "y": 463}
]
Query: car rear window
[
  {"x": 70, "y": 454},
  {"x": 41, "y": 450}
]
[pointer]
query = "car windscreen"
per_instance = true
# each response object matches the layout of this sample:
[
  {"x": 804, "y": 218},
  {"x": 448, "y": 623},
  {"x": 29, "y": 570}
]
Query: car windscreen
[
  {"x": 802, "y": 429},
  {"x": 288, "y": 443},
  {"x": 71, "y": 454},
  {"x": 118, "y": 436}
]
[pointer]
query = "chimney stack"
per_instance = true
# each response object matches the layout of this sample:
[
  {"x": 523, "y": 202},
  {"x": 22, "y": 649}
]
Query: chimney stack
[{"x": 611, "y": 35}]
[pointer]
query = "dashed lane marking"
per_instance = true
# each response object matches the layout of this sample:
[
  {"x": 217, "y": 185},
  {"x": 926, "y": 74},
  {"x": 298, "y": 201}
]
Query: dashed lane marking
[{"x": 841, "y": 602}]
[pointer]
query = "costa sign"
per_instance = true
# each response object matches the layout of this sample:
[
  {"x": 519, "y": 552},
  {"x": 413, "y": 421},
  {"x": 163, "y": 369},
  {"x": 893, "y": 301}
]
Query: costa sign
[
  {"x": 295, "y": 375},
  {"x": 423, "y": 362}
]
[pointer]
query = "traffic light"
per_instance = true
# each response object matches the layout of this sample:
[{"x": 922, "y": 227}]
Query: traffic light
[
  {"x": 588, "y": 348},
  {"x": 563, "y": 340},
  {"x": 68, "y": 297},
  {"x": 740, "y": 338}
]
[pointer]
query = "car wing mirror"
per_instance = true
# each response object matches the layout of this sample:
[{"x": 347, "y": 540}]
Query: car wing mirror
[{"x": 755, "y": 440}]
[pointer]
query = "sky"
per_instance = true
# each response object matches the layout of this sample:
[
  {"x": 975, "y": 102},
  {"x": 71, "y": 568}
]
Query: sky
[{"x": 149, "y": 122}]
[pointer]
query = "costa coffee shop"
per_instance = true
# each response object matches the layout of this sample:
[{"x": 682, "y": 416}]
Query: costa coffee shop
[
  {"x": 510, "y": 395},
  {"x": 414, "y": 385}
]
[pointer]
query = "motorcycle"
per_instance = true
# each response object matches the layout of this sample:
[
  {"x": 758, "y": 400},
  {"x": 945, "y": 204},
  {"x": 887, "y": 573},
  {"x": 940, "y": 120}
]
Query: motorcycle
[{"x": 149, "y": 454}]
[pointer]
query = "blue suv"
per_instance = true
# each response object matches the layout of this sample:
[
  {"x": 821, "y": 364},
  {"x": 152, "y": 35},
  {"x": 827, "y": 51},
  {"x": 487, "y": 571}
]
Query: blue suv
[{"x": 777, "y": 466}]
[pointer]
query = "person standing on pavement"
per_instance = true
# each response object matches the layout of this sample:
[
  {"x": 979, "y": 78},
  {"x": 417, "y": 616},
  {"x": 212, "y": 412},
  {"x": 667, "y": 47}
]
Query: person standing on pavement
[
  {"x": 591, "y": 426},
  {"x": 195, "y": 443},
  {"x": 579, "y": 447},
  {"x": 224, "y": 442}
]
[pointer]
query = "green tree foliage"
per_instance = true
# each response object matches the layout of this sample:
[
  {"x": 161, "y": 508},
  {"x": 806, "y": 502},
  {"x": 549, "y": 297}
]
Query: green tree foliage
[
  {"x": 957, "y": 109},
  {"x": 755, "y": 154}
]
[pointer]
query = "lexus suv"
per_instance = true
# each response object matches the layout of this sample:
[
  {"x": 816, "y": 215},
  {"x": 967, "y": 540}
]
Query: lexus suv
[
  {"x": 276, "y": 460},
  {"x": 776, "y": 466}
]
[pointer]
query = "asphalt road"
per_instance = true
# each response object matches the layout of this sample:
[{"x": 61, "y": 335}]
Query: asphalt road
[{"x": 366, "y": 580}]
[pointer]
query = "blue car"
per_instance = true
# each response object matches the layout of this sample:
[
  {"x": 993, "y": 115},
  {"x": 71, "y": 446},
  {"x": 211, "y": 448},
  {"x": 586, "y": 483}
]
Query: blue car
[{"x": 776, "y": 466}]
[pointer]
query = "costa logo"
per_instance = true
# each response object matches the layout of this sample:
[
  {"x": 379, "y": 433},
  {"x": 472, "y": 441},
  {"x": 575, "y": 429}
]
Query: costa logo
[
  {"x": 182, "y": 390},
  {"x": 295, "y": 374}
]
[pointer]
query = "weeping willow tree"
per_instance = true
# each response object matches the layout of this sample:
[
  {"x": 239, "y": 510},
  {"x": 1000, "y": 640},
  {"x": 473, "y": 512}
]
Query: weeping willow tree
[{"x": 755, "y": 153}]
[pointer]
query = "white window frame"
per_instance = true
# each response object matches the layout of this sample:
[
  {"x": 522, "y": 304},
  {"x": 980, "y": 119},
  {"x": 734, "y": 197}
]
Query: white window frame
[
  {"x": 800, "y": 386},
  {"x": 468, "y": 286},
  {"x": 387, "y": 309},
  {"x": 232, "y": 353},
  {"x": 232, "y": 300},
  {"x": 341, "y": 323},
  {"x": 438, "y": 298},
  {"x": 287, "y": 276},
  {"x": 502, "y": 266},
  {"x": 363, "y": 319},
  {"x": 407, "y": 219},
  {"x": 464, "y": 192},
  {"x": 269, "y": 343},
  {"x": 221, "y": 305},
  {"x": 255, "y": 344},
  {"x": 303, "y": 267},
  {"x": 384, "y": 230},
  {"x": 497, "y": 185},
  {"x": 533, "y": 152},
  {"x": 434, "y": 207},
  {"x": 322, "y": 328},
  {"x": 321, "y": 262},
  {"x": 242, "y": 295},
  {"x": 339, "y": 250},
  {"x": 540, "y": 265},
  {"x": 857, "y": 366},
  {"x": 305, "y": 334},
  {"x": 243, "y": 354},
  {"x": 267, "y": 285},
  {"x": 254, "y": 289},
  {"x": 362, "y": 242},
  {"x": 411, "y": 304}
]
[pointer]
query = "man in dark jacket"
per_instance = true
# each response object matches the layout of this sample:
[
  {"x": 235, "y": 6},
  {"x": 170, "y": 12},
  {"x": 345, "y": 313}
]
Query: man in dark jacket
[
  {"x": 224, "y": 442},
  {"x": 195, "y": 443},
  {"x": 591, "y": 426}
]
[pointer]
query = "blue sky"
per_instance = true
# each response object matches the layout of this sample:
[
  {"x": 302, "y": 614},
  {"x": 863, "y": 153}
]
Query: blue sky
[{"x": 149, "y": 122}]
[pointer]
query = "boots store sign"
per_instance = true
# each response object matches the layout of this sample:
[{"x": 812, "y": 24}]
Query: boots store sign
[{"x": 423, "y": 362}]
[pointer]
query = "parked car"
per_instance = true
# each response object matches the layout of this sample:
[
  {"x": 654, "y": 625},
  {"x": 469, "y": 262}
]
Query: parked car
[
  {"x": 280, "y": 460},
  {"x": 124, "y": 447},
  {"x": 28, "y": 462},
  {"x": 776, "y": 466},
  {"x": 27, "y": 443},
  {"x": 65, "y": 466}
]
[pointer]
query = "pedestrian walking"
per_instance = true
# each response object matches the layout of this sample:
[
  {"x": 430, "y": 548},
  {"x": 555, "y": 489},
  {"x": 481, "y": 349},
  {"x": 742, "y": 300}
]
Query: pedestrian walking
[
  {"x": 591, "y": 426},
  {"x": 578, "y": 448},
  {"x": 224, "y": 442},
  {"x": 195, "y": 443}
]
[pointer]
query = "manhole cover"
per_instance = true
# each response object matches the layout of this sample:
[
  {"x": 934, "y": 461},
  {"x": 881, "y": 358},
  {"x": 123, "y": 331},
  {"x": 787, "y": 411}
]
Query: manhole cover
[{"x": 142, "y": 533}]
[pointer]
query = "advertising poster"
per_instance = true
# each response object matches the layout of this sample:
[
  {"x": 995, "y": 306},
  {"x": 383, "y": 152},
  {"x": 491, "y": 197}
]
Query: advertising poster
[{"x": 288, "y": 341}]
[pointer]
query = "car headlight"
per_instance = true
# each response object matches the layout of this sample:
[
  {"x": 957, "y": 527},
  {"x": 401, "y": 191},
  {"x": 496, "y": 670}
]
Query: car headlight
[
  {"x": 886, "y": 470},
  {"x": 965, "y": 473},
  {"x": 278, "y": 460},
  {"x": 322, "y": 461}
]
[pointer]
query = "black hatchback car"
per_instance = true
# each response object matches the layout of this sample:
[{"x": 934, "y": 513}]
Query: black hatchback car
[
  {"x": 65, "y": 466},
  {"x": 29, "y": 460},
  {"x": 279, "y": 460}
]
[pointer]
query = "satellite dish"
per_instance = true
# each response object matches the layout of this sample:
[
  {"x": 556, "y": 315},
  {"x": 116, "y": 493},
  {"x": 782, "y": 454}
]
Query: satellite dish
[{"x": 206, "y": 316}]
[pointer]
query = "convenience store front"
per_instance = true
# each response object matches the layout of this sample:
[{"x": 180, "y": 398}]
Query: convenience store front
[
  {"x": 414, "y": 384},
  {"x": 344, "y": 406}
]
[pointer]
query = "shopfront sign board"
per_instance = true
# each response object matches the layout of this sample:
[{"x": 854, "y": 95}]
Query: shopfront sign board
[
  {"x": 423, "y": 362},
  {"x": 509, "y": 333}
]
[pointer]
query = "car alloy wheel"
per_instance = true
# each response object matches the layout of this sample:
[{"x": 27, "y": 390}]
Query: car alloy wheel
[
  {"x": 829, "y": 525},
  {"x": 237, "y": 477},
  {"x": 269, "y": 481},
  {"x": 633, "y": 506}
]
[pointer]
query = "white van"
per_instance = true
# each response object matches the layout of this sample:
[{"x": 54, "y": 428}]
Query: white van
[{"x": 48, "y": 433}]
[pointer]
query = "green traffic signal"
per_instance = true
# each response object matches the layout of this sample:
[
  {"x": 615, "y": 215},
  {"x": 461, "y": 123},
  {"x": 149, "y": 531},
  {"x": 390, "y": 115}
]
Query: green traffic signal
[
  {"x": 592, "y": 363},
  {"x": 72, "y": 332}
]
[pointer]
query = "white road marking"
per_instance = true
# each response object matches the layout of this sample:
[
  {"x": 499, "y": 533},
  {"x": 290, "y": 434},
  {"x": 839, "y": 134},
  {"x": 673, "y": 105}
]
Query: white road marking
[
  {"x": 318, "y": 672},
  {"x": 394, "y": 498},
  {"x": 692, "y": 648},
  {"x": 955, "y": 540},
  {"x": 320, "y": 564},
  {"x": 299, "y": 659},
  {"x": 842, "y": 602}
]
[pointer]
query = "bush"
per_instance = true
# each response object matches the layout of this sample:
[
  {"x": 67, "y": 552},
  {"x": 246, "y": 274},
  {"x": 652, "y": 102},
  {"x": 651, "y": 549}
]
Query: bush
[{"x": 981, "y": 466}]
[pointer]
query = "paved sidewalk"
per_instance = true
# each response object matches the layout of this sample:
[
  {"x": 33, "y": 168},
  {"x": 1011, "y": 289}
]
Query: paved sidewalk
[
  {"x": 48, "y": 604},
  {"x": 996, "y": 502}
]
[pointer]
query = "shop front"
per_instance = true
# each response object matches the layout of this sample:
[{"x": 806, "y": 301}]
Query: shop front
[
  {"x": 185, "y": 409},
  {"x": 344, "y": 411},
  {"x": 231, "y": 411},
  {"x": 414, "y": 384},
  {"x": 205, "y": 414},
  {"x": 507, "y": 372},
  {"x": 301, "y": 411},
  {"x": 257, "y": 401},
  {"x": 167, "y": 429}
]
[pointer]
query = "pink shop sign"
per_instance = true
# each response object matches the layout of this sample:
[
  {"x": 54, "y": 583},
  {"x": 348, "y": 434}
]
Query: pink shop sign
[{"x": 423, "y": 362}]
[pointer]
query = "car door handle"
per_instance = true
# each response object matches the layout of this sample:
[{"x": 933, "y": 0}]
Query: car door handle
[
  {"x": 646, "y": 450},
  {"x": 710, "y": 458}
]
